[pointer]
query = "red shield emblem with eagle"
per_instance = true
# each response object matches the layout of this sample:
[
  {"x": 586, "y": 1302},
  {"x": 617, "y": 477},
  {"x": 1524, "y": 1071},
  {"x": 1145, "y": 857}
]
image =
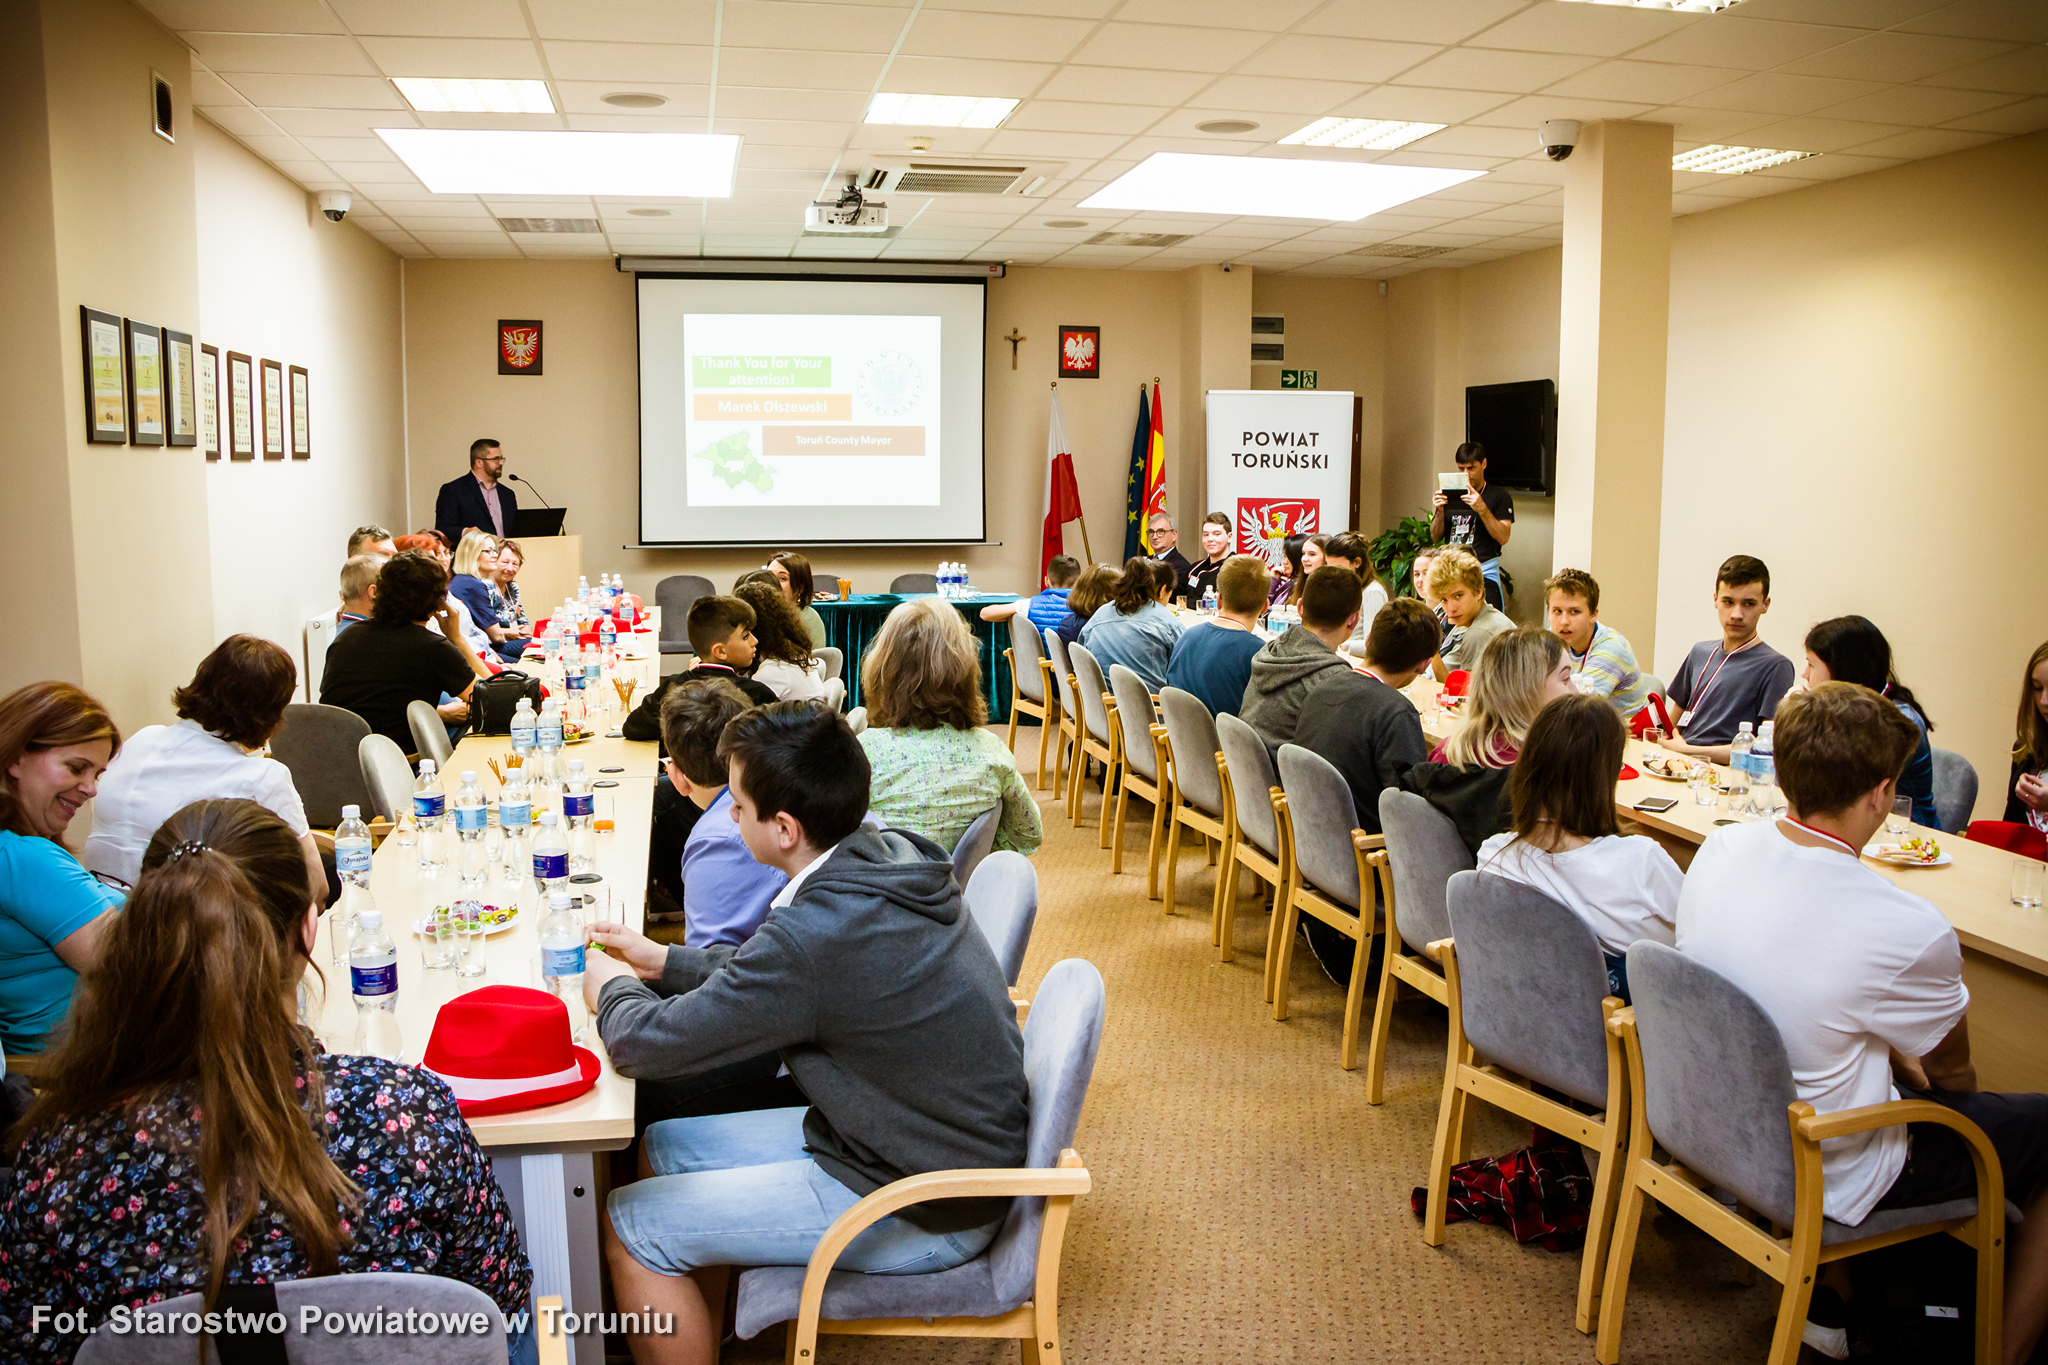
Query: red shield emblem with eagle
[
  {"x": 518, "y": 346},
  {"x": 1263, "y": 525}
]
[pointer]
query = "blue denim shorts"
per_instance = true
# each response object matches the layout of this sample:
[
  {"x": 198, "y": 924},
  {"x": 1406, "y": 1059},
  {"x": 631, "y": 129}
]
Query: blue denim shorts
[{"x": 739, "y": 1189}]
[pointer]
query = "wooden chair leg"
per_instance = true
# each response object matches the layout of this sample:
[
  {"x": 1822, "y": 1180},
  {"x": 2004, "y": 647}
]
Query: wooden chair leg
[
  {"x": 1354, "y": 997},
  {"x": 1450, "y": 1140},
  {"x": 1801, "y": 1268},
  {"x": 1116, "y": 840},
  {"x": 1046, "y": 725},
  {"x": 1280, "y": 946},
  {"x": 1152, "y": 844},
  {"x": 1223, "y": 905},
  {"x": 1382, "y": 1023},
  {"x": 1173, "y": 828},
  {"x": 1015, "y": 697},
  {"x": 1989, "y": 1240},
  {"x": 1620, "y": 1255},
  {"x": 1077, "y": 767},
  {"x": 1112, "y": 781},
  {"x": 1211, "y": 849},
  {"x": 1600, "y": 1223}
]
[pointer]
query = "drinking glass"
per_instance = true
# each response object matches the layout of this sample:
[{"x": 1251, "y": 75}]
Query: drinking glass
[
  {"x": 605, "y": 806},
  {"x": 1702, "y": 782},
  {"x": 624, "y": 687},
  {"x": 2026, "y": 883},
  {"x": 436, "y": 931},
  {"x": 471, "y": 929},
  {"x": 845, "y": 588},
  {"x": 1901, "y": 817}
]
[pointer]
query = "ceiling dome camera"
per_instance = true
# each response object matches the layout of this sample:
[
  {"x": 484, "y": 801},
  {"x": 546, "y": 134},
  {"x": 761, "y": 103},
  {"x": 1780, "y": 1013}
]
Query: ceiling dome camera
[
  {"x": 1557, "y": 137},
  {"x": 335, "y": 205}
]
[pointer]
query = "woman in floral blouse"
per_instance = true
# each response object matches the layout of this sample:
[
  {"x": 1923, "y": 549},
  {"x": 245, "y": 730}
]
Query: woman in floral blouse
[
  {"x": 305, "y": 1164},
  {"x": 934, "y": 768}
]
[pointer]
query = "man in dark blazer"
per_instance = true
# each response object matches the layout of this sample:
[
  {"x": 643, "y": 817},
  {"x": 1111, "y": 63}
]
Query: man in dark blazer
[{"x": 477, "y": 498}]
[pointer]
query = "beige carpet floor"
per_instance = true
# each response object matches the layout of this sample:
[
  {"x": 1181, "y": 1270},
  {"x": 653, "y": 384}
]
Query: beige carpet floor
[{"x": 1250, "y": 1206}]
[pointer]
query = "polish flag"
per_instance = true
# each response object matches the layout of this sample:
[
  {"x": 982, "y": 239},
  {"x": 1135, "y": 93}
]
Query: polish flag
[{"x": 1062, "y": 494}]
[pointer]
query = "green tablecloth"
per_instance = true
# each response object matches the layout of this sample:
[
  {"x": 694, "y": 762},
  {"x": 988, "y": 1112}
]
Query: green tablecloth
[{"x": 850, "y": 624}]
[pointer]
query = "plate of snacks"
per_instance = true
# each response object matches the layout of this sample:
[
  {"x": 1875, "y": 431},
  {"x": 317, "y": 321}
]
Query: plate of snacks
[
  {"x": 497, "y": 918},
  {"x": 1918, "y": 850},
  {"x": 577, "y": 734},
  {"x": 1669, "y": 766}
]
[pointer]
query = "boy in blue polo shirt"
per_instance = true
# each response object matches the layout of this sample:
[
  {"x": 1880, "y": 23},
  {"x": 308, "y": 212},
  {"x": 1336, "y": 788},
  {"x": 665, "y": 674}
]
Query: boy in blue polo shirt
[{"x": 1049, "y": 607}]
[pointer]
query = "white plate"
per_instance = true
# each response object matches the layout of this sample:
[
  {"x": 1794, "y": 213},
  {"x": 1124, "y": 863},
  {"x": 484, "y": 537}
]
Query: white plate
[
  {"x": 419, "y": 925},
  {"x": 1646, "y": 770},
  {"x": 1889, "y": 853}
]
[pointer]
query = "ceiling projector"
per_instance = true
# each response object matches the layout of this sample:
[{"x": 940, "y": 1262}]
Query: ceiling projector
[{"x": 849, "y": 215}]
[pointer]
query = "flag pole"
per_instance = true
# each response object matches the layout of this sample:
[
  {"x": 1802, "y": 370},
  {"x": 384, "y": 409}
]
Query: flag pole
[{"x": 1086, "y": 549}]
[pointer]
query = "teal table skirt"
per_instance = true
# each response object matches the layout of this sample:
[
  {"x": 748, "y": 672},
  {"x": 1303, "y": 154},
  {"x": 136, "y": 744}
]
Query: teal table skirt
[{"x": 851, "y": 624}]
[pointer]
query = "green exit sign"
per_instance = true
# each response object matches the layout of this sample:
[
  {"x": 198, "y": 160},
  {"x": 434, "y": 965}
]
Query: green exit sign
[{"x": 1297, "y": 379}]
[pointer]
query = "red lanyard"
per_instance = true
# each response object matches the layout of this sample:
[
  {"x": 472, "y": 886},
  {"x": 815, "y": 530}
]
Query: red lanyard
[
  {"x": 1700, "y": 698},
  {"x": 1843, "y": 844}
]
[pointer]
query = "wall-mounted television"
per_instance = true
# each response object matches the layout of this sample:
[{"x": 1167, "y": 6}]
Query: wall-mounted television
[{"x": 1517, "y": 423}]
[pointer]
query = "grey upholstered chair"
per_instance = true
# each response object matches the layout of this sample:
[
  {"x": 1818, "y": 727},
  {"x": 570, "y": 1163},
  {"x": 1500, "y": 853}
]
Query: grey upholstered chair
[
  {"x": 369, "y": 1292},
  {"x": 1253, "y": 840},
  {"x": 318, "y": 745},
  {"x": 1656, "y": 685},
  {"x": 386, "y": 775},
  {"x": 1955, "y": 790},
  {"x": 1196, "y": 800},
  {"x": 857, "y": 719},
  {"x": 1031, "y": 691},
  {"x": 1528, "y": 999},
  {"x": 1139, "y": 741},
  {"x": 1423, "y": 851},
  {"x": 1709, "y": 1081},
  {"x": 429, "y": 733},
  {"x": 1010, "y": 1290},
  {"x": 1069, "y": 707},
  {"x": 1094, "y": 738},
  {"x": 675, "y": 595},
  {"x": 831, "y": 660},
  {"x": 976, "y": 843},
  {"x": 914, "y": 583},
  {"x": 1002, "y": 896},
  {"x": 835, "y": 693},
  {"x": 1327, "y": 876}
]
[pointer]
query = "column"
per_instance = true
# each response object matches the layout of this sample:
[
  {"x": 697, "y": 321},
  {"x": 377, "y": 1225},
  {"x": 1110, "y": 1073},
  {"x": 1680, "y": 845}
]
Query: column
[
  {"x": 1215, "y": 353},
  {"x": 1613, "y": 320}
]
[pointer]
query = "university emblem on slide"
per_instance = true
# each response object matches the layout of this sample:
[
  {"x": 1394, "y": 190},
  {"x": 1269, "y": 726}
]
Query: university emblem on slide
[
  {"x": 1263, "y": 525},
  {"x": 519, "y": 346}
]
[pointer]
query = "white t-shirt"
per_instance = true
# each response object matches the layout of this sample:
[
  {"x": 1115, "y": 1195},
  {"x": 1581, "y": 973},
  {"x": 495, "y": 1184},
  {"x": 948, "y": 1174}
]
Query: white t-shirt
[
  {"x": 790, "y": 683},
  {"x": 1624, "y": 886},
  {"x": 161, "y": 770},
  {"x": 1369, "y": 603},
  {"x": 1845, "y": 963}
]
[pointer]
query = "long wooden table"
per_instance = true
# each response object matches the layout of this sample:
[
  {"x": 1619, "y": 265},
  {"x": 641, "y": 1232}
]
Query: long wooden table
[
  {"x": 542, "y": 1157},
  {"x": 2005, "y": 947}
]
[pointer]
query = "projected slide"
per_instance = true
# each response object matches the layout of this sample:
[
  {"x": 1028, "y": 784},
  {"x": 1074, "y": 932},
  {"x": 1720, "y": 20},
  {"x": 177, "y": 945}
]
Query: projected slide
[{"x": 798, "y": 410}]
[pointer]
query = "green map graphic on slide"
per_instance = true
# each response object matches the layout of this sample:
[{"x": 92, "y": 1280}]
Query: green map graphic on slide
[{"x": 733, "y": 460}]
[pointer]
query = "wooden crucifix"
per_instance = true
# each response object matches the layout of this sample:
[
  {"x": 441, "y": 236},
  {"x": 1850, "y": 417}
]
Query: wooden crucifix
[{"x": 1013, "y": 338}]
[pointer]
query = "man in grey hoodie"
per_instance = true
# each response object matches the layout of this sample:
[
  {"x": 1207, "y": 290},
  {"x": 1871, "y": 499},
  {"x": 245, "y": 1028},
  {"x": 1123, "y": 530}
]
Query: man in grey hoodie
[
  {"x": 885, "y": 1003},
  {"x": 1288, "y": 668}
]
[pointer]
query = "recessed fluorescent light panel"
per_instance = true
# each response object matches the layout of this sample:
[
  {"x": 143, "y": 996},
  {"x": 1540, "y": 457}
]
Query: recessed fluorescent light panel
[
  {"x": 1733, "y": 160},
  {"x": 455, "y": 95},
  {"x": 1269, "y": 186},
  {"x": 1684, "y": 6},
  {"x": 939, "y": 111},
  {"x": 485, "y": 161},
  {"x": 1365, "y": 134}
]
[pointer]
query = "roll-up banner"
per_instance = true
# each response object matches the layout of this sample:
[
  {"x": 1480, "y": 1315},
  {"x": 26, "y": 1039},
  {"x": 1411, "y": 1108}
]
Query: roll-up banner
[{"x": 1279, "y": 465}]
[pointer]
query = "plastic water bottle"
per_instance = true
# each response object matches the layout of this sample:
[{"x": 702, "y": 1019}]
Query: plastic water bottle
[
  {"x": 547, "y": 741},
  {"x": 471, "y": 819},
  {"x": 352, "y": 847},
  {"x": 582, "y": 588},
  {"x": 561, "y": 958},
  {"x": 373, "y": 980},
  {"x": 607, "y": 630},
  {"x": 550, "y": 855},
  {"x": 429, "y": 805},
  {"x": 1763, "y": 773},
  {"x": 522, "y": 727},
  {"x": 1737, "y": 784},
  {"x": 578, "y": 805},
  {"x": 515, "y": 819},
  {"x": 1209, "y": 600}
]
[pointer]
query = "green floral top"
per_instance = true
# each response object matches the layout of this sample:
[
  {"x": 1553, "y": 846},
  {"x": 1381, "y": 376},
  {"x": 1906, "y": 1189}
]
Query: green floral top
[{"x": 936, "y": 782}]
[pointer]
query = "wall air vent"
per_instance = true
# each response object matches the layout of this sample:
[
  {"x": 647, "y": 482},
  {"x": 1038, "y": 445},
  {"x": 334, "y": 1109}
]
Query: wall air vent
[
  {"x": 1138, "y": 238},
  {"x": 956, "y": 175},
  {"x": 1269, "y": 338},
  {"x": 550, "y": 225},
  {"x": 1406, "y": 253}
]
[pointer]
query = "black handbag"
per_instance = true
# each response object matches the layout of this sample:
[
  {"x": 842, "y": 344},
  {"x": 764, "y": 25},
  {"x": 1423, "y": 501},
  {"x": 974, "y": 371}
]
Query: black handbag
[{"x": 493, "y": 700}]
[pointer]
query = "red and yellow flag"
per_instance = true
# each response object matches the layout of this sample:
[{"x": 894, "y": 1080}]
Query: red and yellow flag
[{"x": 1155, "y": 470}]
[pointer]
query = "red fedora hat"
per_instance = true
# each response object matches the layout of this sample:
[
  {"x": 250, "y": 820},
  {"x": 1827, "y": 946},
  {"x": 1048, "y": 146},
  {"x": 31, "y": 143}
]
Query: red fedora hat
[{"x": 507, "y": 1048}]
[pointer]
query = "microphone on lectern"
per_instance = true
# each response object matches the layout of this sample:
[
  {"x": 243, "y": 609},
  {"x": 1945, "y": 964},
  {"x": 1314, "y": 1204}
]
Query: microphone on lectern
[{"x": 536, "y": 492}]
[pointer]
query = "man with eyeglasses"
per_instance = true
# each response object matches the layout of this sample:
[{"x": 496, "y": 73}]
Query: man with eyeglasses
[{"x": 477, "y": 500}]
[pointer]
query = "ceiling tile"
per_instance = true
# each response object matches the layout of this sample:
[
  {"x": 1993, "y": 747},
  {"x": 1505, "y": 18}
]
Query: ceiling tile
[
  {"x": 1917, "y": 104},
  {"x": 209, "y": 90},
  {"x": 2024, "y": 72},
  {"x": 245, "y": 121},
  {"x": 790, "y": 24},
  {"x": 2011, "y": 21},
  {"x": 1469, "y": 68},
  {"x": 1353, "y": 60},
  {"x": 1818, "y": 134},
  {"x": 1181, "y": 123},
  {"x": 411, "y": 204},
  {"x": 746, "y": 182},
  {"x": 895, "y": 141},
  {"x": 1420, "y": 105},
  {"x": 1023, "y": 143},
  {"x": 1439, "y": 21},
  {"x": 1590, "y": 30},
  {"x": 564, "y": 244},
  {"x": 333, "y": 149},
  {"x": 821, "y": 105},
  {"x": 499, "y": 58},
  {"x": 285, "y": 54},
  {"x": 378, "y": 173},
  {"x": 1113, "y": 85},
  {"x": 620, "y": 64},
  {"x": 1476, "y": 141},
  {"x": 226, "y": 16},
  {"x": 801, "y": 70},
  {"x": 1654, "y": 82},
  {"x": 1276, "y": 94},
  {"x": 1923, "y": 142},
  {"x": 1012, "y": 37},
  {"x": 349, "y": 123},
  {"x": 1744, "y": 43},
  {"x": 643, "y": 123},
  {"x": 1271, "y": 15},
  {"x": 431, "y": 238},
  {"x": 1775, "y": 92},
  {"x": 587, "y": 97},
  {"x": 2027, "y": 116},
  {"x": 817, "y": 159},
  {"x": 312, "y": 175},
  {"x": 672, "y": 226},
  {"x": 1519, "y": 213},
  {"x": 1167, "y": 47},
  {"x": 1070, "y": 116},
  {"x": 652, "y": 21},
  {"x": 1532, "y": 110},
  {"x": 1852, "y": 13},
  {"x": 469, "y": 18},
  {"x": 1197, "y": 146},
  {"x": 318, "y": 92},
  {"x": 1445, "y": 160},
  {"x": 1076, "y": 9},
  {"x": 1706, "y": 125},
  {"x": 965, "y": 76},
  {"x": 1836, "y": 166},
  {"x": 277, "y": 147},
  {"x": 1896, "y": 57},
  {"x": 1696, "y": 201}
]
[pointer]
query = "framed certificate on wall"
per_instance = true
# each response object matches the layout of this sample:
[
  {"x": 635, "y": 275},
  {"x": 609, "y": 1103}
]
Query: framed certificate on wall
[
  {"x": 273, "y": 410},
  {"x": 209, "y": 401},
  {"x": 241, "y": 407},
  {"x": 106, "y": 377},
  {"x": 302, "y": 423},
  {"x": 181, "y": 391},
  {"x": 145, "y": 384}
]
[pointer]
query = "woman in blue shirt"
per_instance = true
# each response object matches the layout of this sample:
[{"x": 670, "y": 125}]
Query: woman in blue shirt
[
  {"x": 1135, "y": 628},
  {"x": 55, "y": 741},
  {"x": 475, "y": 572},
  {"x": 1852, "y": 649}
]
